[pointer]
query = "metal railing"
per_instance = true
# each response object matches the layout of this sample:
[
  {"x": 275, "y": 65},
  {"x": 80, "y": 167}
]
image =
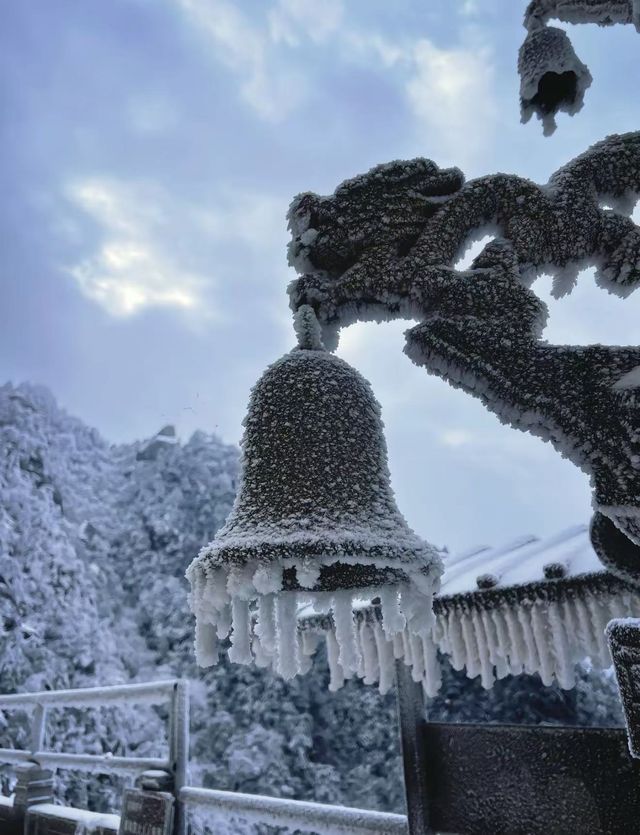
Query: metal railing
[
  {"x": 308, "y": 817},
  {"x": 174, "y": 693},
  {"x": 300, "y": 815}
]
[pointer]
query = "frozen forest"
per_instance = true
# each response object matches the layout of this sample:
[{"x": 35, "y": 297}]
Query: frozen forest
[{"x": 94, "y": 543}]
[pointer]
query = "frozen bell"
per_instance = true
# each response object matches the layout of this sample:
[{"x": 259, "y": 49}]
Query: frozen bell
[{"x": 314, "y": 521}]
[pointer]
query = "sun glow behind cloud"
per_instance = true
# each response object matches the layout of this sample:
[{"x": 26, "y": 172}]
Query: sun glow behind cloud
[{"x": 131, "y": 269}]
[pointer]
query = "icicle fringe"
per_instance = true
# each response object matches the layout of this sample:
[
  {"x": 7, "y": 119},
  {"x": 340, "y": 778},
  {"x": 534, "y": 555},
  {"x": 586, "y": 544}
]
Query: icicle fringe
[{"x": 509, "y": 637}]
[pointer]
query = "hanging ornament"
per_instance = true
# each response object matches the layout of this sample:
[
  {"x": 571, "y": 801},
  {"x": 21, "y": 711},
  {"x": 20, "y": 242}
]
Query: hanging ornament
[
  {"x": 314, "y": 521},
  {"x": 552, "y": 77}
]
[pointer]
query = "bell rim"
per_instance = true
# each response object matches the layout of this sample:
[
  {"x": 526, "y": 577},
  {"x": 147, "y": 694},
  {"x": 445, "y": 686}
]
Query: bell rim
[{"x": 320, "y": 552}]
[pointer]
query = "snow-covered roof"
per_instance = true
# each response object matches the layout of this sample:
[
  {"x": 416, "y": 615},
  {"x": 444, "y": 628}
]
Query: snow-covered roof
[{"x": 524, "y": 560}]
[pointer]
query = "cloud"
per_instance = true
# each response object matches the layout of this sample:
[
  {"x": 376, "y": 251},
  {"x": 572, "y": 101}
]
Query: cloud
[
  {"x": 451, "y": 95},
  {"x": 290, "y": 19},
  {"x": 132, "y": 269},
  {"x": 152, "y": 247},
  {"x": 244, "y": 48}
]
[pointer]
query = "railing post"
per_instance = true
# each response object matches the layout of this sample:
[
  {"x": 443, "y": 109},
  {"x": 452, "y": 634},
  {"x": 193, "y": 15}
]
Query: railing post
[
  {"x": 38, "y": 726},
  {"x": 179, "y": 749},
  {"x": 411, "y": 717}
]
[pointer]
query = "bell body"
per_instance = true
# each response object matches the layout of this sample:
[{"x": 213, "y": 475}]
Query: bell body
[
  {"x": 552, "y": 77},
  {"x": 315, "y": 482}
]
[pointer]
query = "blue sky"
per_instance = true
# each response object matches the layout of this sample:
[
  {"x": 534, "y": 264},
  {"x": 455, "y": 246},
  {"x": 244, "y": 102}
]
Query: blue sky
[{"x": 150, "y": 149}]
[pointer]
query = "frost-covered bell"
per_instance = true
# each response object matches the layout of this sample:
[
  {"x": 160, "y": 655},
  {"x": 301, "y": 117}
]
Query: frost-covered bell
[
  {"x": 314, "y": 521},
  {"x": 552, "y": 77}
]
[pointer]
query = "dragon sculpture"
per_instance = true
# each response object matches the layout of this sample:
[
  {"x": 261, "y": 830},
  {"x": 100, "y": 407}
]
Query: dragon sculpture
[{"x": 384, "y": 246}]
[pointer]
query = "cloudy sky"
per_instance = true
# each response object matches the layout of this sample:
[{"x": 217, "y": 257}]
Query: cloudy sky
[{"x": 149, "y": 151}]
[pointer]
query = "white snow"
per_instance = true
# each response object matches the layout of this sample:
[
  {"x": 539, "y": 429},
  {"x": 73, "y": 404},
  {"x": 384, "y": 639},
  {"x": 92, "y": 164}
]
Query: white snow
[{"x": 89, "y": 821}]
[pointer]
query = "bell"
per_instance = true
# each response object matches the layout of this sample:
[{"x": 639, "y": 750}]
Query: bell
[
  {"x": 314, "y": 522},
  {"x": 552, "y": 77}
]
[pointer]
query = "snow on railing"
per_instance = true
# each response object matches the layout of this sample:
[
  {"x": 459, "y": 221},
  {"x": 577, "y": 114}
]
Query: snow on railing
[
  {"x": 319, "y": 818},
  {"x": 309, "y": 817},
  {"x": 154, "y": 692}
]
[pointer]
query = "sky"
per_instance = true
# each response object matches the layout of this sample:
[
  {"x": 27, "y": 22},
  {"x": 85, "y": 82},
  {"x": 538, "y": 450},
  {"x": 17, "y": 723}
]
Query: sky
[{"x": 149, "y": 151}]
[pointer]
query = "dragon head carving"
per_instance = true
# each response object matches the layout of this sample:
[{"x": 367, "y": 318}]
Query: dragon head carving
[{"x": 389, "y": 205}]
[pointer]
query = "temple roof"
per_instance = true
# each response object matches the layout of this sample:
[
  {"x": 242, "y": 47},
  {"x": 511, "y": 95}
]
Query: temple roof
[{"x": 524, "y": 560}]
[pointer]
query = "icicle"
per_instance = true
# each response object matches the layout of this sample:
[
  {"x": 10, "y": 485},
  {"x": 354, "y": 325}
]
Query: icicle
[
  {"x": 561, "y": 648},
  {"x": 240, "y": 650},
  {"x": 369, "y": 654},
  {"x": 600, "y": 620},
  {"x": 541, "y": 635},
  {"x": 216, "y": 588},
  {"x": 532, "y": 658},
  {"x": 304, "y": 661},
  {"x": 417, "y": 609},
  {"x": 398, "y": 645},
  {"x": 572, "y": 629},
  {"x": 502, "y": 646},
  {"x": 393, "y": 621},
  {"x": 336, "y": 673},
  {"x": 349, "y": 657},
  {"x": 456, "y": 639},
  {"x": 517, "y": 646},
  {"x": 262, "y": 659},
  {"x": 266, "y": 625},
  {"x": 240, "y": 581},
  {"x": 386, "y": 661},
  {"x": 487, "y": 677},
  {"x": 440, "y": 634},
  {"x": 287, "y": 643},
  {"x": 472, "y": 660},
  {"x": 406, "y": 649},
  {"x": 360, "y": 669},
  {"x": 417, "y": 657},
  {"x": 432, "y": 668},
  {"x": 310, "y": 641},
  {"x": 497, "y": 653},
  {"x": 206, "y": 644},
  {"x": 223, "y": 622},
  {"x": 587, "y": 631},
  {"x": 198, "y": 584}
]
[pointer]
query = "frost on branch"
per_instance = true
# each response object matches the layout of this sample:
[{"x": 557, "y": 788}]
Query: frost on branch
[
  {"x": 552, "y": 77},
  {"x": 480, "y": 329},
  {"x": 314, "y": 522}
]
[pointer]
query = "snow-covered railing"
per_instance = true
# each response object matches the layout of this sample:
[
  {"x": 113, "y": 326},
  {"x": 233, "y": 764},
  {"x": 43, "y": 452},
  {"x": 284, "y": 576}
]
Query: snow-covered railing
[
  {"x": 156, "y": 692},
  {"x": 173, "y": 693},
  {"x": 307, "y": 817}
]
